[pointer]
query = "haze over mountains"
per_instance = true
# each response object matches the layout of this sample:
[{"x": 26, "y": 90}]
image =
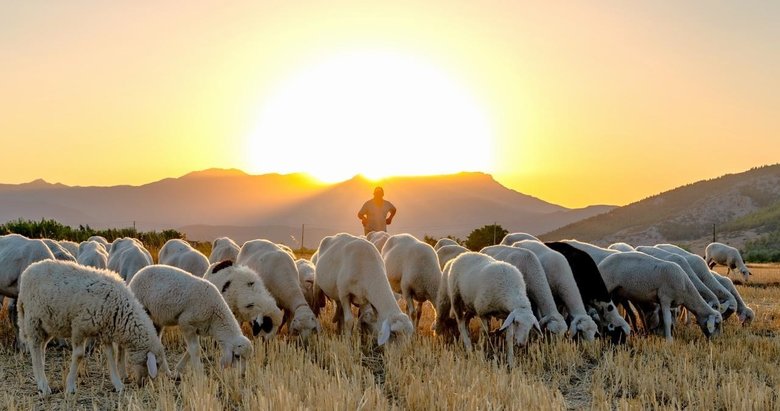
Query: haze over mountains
[
  {"x": 218, "y": 202},
  {"x": 739, "y": 207}
]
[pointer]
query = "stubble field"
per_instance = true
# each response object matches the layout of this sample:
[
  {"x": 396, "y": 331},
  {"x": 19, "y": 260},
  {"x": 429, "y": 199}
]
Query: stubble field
[{"x": 740, "y": 369}]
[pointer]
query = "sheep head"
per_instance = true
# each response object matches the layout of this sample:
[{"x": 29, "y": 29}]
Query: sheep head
[
  {"x": 397, "y": 324},
  {"x": 521, "y": 322},
  {"x": 304, "y": 322},
  {"x": 553, "y": 323},
  {"x": 710, "y": 324},
  {"x": 236, "y": 352}
]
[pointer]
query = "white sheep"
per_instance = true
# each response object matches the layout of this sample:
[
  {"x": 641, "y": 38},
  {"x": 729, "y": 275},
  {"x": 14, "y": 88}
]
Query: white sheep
[
  {"x": 17, "y": 252},
  {"x": 101, "y": 240},
  {"x": 512, "y": 238},
  {"x": 92, "y": 254},
  {"x": 642, "y": 278},
  {"x": 621, "y": 247},
  {"x": 306, "y": 276},
  {"x": 174, "y": 297},
  {"x": 350, "y": 271},
  {"x": 704, "y": 291},
  {"x": 223, "y": 248},
  {"x": 71, "y": 246},
  {"x": 127, "y": 257},
  {"x": 480, "y": 285},
  {"x": 67, "y": 300},
  {"x": 598, "y": 254},
  {"x": 88, "y": 243},
  {"x": 563, "y": 287},
  {"x": 744, "y": 312},
  {"x": 719, "y": 253},
  {"x": 537, "y": 287},
  {"x": 413, "y": 271},
  {"x": 448, "y": 252},
  {"x": 277, "y": 269},
  {"x": 179, "y": 253},
  {"x": 247, "y": 297},
  {"x": 727, "y": 301},
  {"x": 444, "y": 241},
  {"x": 59, "y": 252},
  {"x": 378, "y": 239}
]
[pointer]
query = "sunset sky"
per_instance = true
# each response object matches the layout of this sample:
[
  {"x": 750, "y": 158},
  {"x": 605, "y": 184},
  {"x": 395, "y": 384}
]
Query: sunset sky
[{"x": 577, "y": 103}]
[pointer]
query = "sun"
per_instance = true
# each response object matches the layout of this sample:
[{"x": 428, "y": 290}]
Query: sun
[{"x": 373, "y": 113}]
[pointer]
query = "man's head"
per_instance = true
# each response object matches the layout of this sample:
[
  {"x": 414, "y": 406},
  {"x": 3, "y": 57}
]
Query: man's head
[{"x": 379, "y": 192}]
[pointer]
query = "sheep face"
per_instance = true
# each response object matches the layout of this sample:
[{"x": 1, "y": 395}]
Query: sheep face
[
  {"x": 236, "y": 352},
  {"x": 521, "y": 323},
  {"x": 146, "y": 364},
  {"x": 612, "y": 320},
  {"x": 304, "y": 323},
  {"x": 746, "y": 316},
  {"x": 267, "y": 325},
  {"x": 745, "y": 273},
  {"x": 710, "y": 324},
  {"x": 554, "y": 324},
  {"x": 397, "y": 325},
  {"x": 584, "y": 327}
]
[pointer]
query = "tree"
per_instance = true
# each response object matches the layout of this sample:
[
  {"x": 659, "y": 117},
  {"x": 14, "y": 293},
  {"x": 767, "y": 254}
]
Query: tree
[
  {"x": 485, "y": 236},
  {"x": 433, "y": 240}
]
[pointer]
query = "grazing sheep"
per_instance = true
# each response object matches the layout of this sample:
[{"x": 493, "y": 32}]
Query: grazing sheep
[
  {"x": 719, "y": 253},
  {"x": 351, "y": 271},
  {"x": 59, "y": 252},
  {"x": 448, "y": 252},
  {"x": 93, "y": 254},
  {"x": 479, "y": 285},
  {"x": 71, "y": 247},
  {"x": 704, "y": 291},
  {"x": 64, "y": 299},
  {"x": 88, "y": 244},
  {"x": 598, "y": 254},
  {"x": 744, "y": 312},
  {"x": 17, "y": 252},
  {"x": 444, "y": 324},
  {"x": 179, "y": 253},
  {"x": 563, "y": 287},
  {"x": 728, "y": 303},
  {"x": 512, "y": 238},
  {"x": 126, "y": 257},
  {"x": 276, "y": 268},
  {"x": 223, "y": 248},
  {"x": 537, "y": 287},
  {"x": 592, "y": 289},
  {"x": 444, "y": 241},
  {"x": 378, "y": 239},
  {"x": 101, "y": 240},
  {"x": 413, "y": 270},
  {"x": 621, "y": 247},
  {"x": 247, "y": 297},
  {"x": 173, "y": 297},
  {"x": 306, "y": 279},
  {"x": 642, "y": 278}
]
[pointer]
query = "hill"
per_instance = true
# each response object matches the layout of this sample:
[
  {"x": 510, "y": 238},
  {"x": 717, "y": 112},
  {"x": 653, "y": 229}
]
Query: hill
[
  {"x": 211, "y": 203},
  {"x": 739, "y": 208}
]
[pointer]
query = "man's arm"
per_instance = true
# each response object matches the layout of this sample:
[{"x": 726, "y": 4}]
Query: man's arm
[{"x": 392, "y": 213}]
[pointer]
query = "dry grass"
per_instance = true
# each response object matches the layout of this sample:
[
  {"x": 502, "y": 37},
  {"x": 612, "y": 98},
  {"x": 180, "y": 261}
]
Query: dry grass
[{"x": 738, "y": 370}]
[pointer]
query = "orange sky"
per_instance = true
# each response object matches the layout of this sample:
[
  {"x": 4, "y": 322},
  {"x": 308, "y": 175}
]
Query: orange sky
[{"x": 574, "y": 103}]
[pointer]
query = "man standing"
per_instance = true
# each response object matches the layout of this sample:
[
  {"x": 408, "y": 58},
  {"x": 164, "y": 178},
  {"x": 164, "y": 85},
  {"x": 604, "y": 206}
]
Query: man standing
[{"x": 374, "y": 213}]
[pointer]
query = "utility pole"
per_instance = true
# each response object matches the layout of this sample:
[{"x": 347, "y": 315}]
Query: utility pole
[
  {"x": 494, "y": 232},
  {"x": 303, "y": 230},
  {"x": 713, "y": 232}
]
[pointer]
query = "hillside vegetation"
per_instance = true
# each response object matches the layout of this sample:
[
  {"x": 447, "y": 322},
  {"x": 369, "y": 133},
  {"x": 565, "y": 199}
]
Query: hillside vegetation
[{"x": 740, "y": 208}]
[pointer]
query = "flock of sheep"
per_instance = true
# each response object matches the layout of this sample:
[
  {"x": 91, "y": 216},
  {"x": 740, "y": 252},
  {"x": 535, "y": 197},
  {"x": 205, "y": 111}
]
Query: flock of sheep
[{"x": 112, "y": 295}]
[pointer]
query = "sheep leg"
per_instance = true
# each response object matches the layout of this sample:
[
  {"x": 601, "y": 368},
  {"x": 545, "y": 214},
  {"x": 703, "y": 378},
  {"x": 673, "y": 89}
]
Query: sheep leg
[
  {"x": 349, "y": 319},
  {"x": 120, "y": 361},
  {"x": 108, "y": 350},
  {"x": 75, "y": 360},
  {"x": 484, "y": 329},
  {"x": 510, "y": 346},
  {"x": 410, "y": 309},
  {"x": 193, "y": 351},
  {"x": 338, "y": 317},
  {"x": 38, "y": 356},
  {"x": 667, "y": 315},
  {"x": 419, "y": 313}
]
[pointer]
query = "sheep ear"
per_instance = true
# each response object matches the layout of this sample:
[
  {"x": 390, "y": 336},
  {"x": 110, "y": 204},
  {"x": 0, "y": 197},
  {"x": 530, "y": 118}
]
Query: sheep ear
[
  {"x": 221, "y": 266},
  {"x": 509, "y": 319},
  {"x": 151, "y": 364},
  {"x": 573, "y": 328},
  {"x": 537, "y": 327},
  {"x": 384, "y": 333},
  {"x": 711, "y": 324}
]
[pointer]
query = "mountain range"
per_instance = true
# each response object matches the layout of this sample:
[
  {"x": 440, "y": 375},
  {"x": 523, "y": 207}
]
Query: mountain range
[
  {"x": 228, "y": 202},
  {"x": 733, "y": 209}
]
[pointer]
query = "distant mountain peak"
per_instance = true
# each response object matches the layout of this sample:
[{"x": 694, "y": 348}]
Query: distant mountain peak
[{"x": 216, "y": 172}]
